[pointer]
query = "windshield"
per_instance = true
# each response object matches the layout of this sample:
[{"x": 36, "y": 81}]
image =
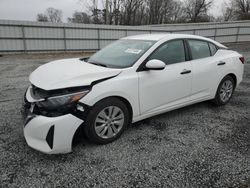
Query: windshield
[{"x": 121, "y": 54}]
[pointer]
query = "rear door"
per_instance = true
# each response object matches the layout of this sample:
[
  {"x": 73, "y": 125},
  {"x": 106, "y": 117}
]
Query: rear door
[
  {"x": 205, "y": 68},
  {"x": 160, "y": 89}
]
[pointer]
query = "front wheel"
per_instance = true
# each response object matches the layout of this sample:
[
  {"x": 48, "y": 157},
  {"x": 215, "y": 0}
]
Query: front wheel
[
  {"x": 225, "y": 91},
  {"x": 106, "y": 121}
]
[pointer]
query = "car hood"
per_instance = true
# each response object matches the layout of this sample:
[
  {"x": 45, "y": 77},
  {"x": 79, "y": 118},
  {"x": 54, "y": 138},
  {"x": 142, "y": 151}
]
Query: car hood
[{"x": 69, "y": 73}]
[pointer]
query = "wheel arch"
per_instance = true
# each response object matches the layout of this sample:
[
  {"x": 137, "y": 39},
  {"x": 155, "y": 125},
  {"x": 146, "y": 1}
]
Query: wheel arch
[
  {"x": 125, "y": 101},
  {"x": 128, "y": 105},
  {"x": 79, "y": 131},
  {"x": 216, "y": 100},
  {"x": 234, "y": 78}
]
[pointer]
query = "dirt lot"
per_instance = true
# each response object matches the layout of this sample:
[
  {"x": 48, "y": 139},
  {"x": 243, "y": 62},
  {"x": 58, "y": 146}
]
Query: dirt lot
[{"x": 197, "y": 146}]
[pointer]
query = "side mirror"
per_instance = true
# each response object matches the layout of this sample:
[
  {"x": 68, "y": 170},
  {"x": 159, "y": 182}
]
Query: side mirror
[{"x": 155, "y": 64}]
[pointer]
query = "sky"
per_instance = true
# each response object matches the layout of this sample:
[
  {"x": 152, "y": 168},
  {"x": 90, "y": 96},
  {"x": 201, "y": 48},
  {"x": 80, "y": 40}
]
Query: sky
[{"x": 28, "y": 9}]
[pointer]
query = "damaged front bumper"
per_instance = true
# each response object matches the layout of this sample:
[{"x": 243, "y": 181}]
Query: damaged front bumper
[{"x": 52, "y": 133}]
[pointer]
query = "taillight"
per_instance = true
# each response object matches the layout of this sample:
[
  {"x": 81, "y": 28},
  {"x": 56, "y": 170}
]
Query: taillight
[{"x": 242, "y": 59}]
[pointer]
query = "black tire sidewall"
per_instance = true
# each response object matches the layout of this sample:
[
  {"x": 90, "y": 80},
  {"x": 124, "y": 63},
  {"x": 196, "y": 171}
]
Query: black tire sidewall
[{"x": 89, "y": 126}]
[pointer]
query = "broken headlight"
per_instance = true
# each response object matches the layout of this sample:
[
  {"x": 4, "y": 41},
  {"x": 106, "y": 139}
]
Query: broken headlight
[{"x": 63, "y": 101}]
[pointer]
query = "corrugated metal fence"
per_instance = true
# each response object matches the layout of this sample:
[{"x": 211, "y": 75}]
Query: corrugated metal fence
[{"x": 25, "y": 36}]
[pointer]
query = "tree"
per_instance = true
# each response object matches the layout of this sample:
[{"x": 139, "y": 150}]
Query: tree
[
  {"x": 114, "y": 11},
  {"x": 177, "y": 12},
  {"x": 243, "y": 5},
  {"x": 197, "y": 10},
  {"x": 50, "y": 15},
  {"x": 80, "y": 17},
  {"x": 228, "y": 12},
  {"x": 130, "y": 10},
  {"x": 96, "y": 14},
  {"x": 42, "y": 18},
  {"x": 54, "y": 15},
  {"x": 237, "y": 10},
  {"x": 143, "y": 12},
  {"x": 163, "y": 11},
  {"x": 242, "y": 9}
]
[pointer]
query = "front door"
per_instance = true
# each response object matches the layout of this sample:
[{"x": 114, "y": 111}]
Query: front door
[{"x": 162, "y": 89}]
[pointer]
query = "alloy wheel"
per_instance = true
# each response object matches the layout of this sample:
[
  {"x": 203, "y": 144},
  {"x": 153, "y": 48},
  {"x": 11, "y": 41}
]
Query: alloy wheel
[
  {"x": 226, "y": 90},
  {"x": 109, "y": 122}
]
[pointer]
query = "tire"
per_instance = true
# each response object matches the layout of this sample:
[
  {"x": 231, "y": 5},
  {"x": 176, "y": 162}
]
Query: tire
[
  {"x": 102, "y": 120},
  {"x": 219, "y": 100}
]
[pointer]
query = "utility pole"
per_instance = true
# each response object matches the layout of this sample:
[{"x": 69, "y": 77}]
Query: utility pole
[{"x": 107, "y": 11}]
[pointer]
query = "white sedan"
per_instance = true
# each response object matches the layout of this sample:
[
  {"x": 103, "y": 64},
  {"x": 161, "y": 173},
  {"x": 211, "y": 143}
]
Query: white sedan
[{"x": 129, "y": 80}]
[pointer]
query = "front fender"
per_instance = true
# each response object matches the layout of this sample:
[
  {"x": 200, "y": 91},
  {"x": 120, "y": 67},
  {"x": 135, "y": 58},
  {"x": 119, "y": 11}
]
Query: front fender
[{"x": 124, "y": 87}]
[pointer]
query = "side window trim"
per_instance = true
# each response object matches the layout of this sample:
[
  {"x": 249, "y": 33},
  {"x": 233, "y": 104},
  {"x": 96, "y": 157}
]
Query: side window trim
[
  {"x": 188, "y": 50},
  {"x": 209, "y": 44},
  {"x": 210, "y": 50}
]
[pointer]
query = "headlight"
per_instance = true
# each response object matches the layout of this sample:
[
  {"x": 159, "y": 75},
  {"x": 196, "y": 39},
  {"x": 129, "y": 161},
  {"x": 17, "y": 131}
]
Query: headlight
[{"x": 52, "y": 103}]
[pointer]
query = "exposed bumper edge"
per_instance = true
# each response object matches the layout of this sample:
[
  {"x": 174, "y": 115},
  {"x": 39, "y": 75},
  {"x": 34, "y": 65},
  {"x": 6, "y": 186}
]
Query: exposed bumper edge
[{"x": 37, "y": 129}]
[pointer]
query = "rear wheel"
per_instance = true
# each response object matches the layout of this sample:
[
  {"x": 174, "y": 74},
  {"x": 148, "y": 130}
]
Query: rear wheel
[
  {"x": 106, "y": 121},
  {"x": 225, "y": 91}
]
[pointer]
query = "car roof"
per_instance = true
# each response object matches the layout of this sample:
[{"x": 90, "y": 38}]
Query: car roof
[{"x": 170, "y": 36}]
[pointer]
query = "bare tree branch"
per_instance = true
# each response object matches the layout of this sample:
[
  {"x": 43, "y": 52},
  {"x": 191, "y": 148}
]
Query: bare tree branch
[
  {"x": 197, "y": 10},
  {"x": 50, "y": 15}
]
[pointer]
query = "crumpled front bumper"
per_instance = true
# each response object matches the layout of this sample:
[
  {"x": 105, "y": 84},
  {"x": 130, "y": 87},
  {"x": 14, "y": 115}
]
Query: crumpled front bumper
[{"x": 51, "y": 135}]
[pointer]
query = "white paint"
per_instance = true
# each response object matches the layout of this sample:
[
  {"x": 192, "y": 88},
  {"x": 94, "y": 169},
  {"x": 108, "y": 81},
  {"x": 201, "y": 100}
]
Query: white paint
[
  {"x": 67, "y": 73},
  {"x": 149, "y": 92}
]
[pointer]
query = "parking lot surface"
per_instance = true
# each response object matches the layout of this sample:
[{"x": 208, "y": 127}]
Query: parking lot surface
[{"x": 196, "y": 146}]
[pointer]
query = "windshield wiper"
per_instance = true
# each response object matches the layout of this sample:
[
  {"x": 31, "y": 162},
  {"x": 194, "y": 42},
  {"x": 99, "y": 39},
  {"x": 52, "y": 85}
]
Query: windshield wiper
[{"x": 97, "y": 63}]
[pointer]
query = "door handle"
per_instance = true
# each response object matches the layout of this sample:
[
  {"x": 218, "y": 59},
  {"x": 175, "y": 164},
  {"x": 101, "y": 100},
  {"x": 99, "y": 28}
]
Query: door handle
[
  {"x": 186, "y": 71},
  {"x": 221, "y": 63}
]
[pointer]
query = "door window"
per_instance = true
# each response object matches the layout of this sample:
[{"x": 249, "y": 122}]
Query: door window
[
  {"x": 213, "y": 49},
  {"x": 199, "y": 49},
  {"x": 170, "y": 53}
]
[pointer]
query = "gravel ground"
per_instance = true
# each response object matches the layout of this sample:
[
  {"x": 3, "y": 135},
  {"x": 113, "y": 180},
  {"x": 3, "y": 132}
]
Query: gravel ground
[{"x": 196, "y": 146}]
